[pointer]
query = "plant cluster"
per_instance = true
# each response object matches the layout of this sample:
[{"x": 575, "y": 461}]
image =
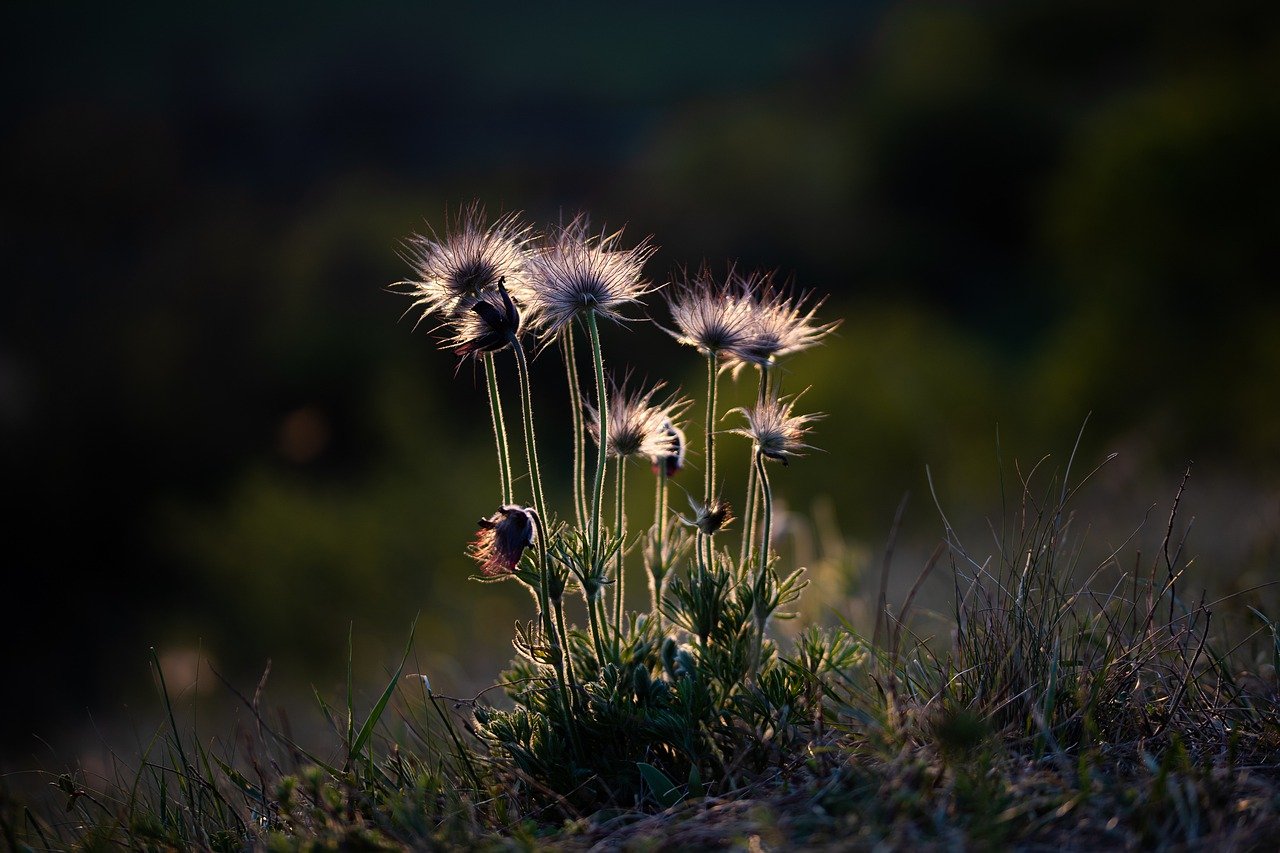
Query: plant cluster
[
  {"x": 1074, "y": 701},
  {"x": 682, "y": 690}
]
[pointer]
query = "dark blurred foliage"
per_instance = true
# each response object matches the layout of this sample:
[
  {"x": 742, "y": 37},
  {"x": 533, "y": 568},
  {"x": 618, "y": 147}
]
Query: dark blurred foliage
[{"x": 215, "y": 431}]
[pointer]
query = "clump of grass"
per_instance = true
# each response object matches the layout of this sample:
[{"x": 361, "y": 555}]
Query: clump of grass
[{"x": 1077, "y": 703}]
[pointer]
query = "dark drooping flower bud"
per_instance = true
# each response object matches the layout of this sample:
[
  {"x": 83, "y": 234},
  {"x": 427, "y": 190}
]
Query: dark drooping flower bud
[
  {"x": 673, "y": 459},
  {"x": 492, "y": 323},
  {"x": 502, "y": 539}
]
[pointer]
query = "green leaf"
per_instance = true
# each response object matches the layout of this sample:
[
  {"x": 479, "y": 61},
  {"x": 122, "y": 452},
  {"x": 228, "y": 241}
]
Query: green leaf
[
  {"x": 664, "y": 790},
  {"x": 366, "y": 731},
  {"x": 696, "y": 789}
]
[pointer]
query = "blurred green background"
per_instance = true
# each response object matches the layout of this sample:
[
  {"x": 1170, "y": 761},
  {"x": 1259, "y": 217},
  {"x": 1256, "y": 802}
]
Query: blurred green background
[{"x": 218, "y": 435}]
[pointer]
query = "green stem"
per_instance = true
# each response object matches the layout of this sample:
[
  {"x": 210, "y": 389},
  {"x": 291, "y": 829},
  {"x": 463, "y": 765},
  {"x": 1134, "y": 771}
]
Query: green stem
[
  {"x": 539, "y": 503},
  {"x": 594, "y": 622},
  {"x": 766, "y": 518},
  {"x": 558, "y": 606},
  {"x": 559, "y": 652},
  {"x": 701, "y": 545},
  {"x": 747, "y": 556},
  {"x": 620, "y": 525},
  {"x": 659, "y": 568},
  {"x": 499, "y": 427},
  {"x": 713, "y": 376},
  {"x": 530, "y": 440},
  {"x": 579, "y": 449},
  {"x": 602, "y": 408},
  {"x": 766, "y": 532}
]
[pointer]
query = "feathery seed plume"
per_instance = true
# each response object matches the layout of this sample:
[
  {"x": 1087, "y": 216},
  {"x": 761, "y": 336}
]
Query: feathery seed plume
[
  {"x": 780, "y": 324},
  {"x": 637, "y": 425},
  {"x": 454, "y": 270},
  {"x": 578, "y": 272},
  {"x": 777, "y": 433},
  {"x": 713, "y": 317}
]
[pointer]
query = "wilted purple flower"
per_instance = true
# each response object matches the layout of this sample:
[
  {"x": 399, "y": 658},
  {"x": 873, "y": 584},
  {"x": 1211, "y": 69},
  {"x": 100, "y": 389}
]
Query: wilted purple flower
[{"x": 501, "y": 540}]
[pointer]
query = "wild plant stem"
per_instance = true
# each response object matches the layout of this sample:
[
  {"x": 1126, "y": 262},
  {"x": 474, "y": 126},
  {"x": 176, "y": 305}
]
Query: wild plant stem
[
  {"x": 535, "y": 478},
  {"x": 499, "y": 427},
  {"x": 554, "y": 632},
  {"x": 659, "y": 568},
  {"x": 746, "y": 558},
  {"x": 620, "y": 526},
  {"x": 766, "y": 519},
  {"x": 594, "y": 622},
  {"x": 557, "y": 605},
  {"x": 602, "y": 411},
  {"x": 766, "y": 531},
  {"x": 702, "y": 542},
  {"x": 579, "y": 449},
  {"x": 530, "y": 440},
  {"x": 712, "y": 380}
]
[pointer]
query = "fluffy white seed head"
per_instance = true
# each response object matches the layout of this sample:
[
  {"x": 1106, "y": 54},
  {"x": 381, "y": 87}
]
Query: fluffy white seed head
[
  {"x": 577, "y": 271},
  {"x": 452, "y": 271},
  {"x": 781, "y": 324},
  {"x": 639, "y": 426},
  {"x": 715, "y": 317},
  {"x": 776, "y": 432}
]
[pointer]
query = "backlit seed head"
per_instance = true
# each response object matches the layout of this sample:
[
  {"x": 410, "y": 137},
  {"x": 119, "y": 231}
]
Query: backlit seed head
[
  {"x": 501, "y": 540},
  {"x": 637, "y": 425},
  {"x": 578, "y": 271},
  {"x": 673, "y": 460},
  {"x": 451, "y": 272},
  {"x": 709, "y": 518},
  {"x": 777, "y": 433},
  {"x": 715, "y": 317},
  {"x": 781, "y": 324}
]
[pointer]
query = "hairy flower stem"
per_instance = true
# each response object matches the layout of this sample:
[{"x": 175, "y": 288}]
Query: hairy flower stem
[
  {"x": 747, "y": 555},
  {"x": 579, "y": 439},
  {"x": 530, "y": 440},
  {"x": 766, "y": 531},
  {"x": 539, "y": 503},
  {"x": 659, "y": 568},
  {"x": 620, "y": 524},
  {"x": 558, "y": 606},
  {"x": 499, "y": 427},
  {"x": 602, "y": 442},
  {"x": 593, "y": 620},
  {"x": 713, "y": 375},
  {"x": 554, "y": 626},
  {"x": 703, "y": 547}
]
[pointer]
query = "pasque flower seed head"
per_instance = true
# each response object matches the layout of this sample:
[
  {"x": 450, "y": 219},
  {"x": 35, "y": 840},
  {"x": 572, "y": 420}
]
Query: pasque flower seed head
[
  {"x": 780, "y": 324},
  {"x": 712, "y": 316},
  {"x": 777, "y": 433},
  {"x": 472, "y": 257},
  {"x": 637, "y": 425},
  {"x": 576, "y": 272}
]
